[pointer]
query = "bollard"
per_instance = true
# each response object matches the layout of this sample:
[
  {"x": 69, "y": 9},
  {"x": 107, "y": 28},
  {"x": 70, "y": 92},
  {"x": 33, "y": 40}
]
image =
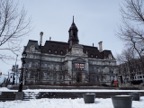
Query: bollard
[
  {"x": 122, "y": 101},
  {"x": 89, "y": 97}
]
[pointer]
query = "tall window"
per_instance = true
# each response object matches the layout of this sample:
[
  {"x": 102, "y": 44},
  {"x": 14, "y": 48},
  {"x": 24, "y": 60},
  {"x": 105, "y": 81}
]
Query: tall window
[{"x": 79, "y": 66}]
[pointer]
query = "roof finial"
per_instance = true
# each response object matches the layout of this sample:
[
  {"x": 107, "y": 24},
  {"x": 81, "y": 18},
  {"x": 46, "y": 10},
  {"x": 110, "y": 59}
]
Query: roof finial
[{"x": 73, "y": 19}]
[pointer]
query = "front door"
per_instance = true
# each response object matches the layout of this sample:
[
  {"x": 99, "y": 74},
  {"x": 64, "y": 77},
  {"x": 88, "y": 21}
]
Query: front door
[{"x": 79, "y": 77}]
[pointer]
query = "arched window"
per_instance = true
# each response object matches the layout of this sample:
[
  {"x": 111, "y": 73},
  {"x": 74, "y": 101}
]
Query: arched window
[{"x": 110, "y": 56}]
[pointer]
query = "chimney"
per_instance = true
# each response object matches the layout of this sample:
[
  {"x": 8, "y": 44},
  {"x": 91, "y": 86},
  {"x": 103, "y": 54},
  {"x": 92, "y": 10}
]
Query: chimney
[
  {"x": 93, "y": 44},
  {"x": 41, "y": 34},
  {"x": 49, "y": 38},
  {"x": 100, "y": 46}
]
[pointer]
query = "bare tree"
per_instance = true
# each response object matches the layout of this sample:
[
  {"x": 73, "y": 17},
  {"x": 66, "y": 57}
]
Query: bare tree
[
  {"x": 129, "y": 66},
  {"x": 126, "y": 56},
  {"x": 13, "y": 25},
  {"x": 132, "y": 29},
  {"x": 127, "y": 63}
]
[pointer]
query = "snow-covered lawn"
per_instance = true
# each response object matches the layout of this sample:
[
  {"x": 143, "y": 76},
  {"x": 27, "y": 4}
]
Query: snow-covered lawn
[{"x": 65, "y": 103}]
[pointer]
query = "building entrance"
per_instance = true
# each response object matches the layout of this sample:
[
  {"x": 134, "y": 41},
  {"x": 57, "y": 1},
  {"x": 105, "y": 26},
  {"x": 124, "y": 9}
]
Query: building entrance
[{"x": 79, "y": 77}]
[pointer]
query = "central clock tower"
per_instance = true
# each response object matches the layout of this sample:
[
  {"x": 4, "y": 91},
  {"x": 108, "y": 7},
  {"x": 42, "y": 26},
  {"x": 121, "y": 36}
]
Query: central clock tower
[{"x": 73, "y": 35}]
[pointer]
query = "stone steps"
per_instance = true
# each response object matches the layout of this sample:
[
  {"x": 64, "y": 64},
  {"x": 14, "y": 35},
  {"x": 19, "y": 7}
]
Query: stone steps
[{"x": 29, "y": 95}]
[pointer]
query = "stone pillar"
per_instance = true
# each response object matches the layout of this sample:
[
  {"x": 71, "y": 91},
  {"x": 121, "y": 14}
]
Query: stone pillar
[
  {"x": 70, "y": 69},
  {"x": 69, "y": 66},
  {"x": 87, "y": 70}
]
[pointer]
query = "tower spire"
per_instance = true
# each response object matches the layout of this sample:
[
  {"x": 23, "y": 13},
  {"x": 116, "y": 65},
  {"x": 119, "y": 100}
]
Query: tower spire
[{"x": 73, "y": 19}]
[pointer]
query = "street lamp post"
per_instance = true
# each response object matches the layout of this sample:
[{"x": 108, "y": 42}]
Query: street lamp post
[
  {"x": 16, "y": 70},
  {"x": 22, "y": 70}
]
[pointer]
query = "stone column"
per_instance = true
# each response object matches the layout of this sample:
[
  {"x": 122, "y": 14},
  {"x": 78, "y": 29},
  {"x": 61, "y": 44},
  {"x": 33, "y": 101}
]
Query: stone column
[
  {"x": 86, "y": 69},
  {"x": 70, "y": 69},
  {"x": 69, "y": 66},
  {"x": 87, "y": 66}
]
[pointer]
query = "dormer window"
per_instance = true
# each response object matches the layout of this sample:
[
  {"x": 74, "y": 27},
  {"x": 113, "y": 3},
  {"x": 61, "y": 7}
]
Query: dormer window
[
  {"x": 32, "y": 48},
  {"x": 110, "y": 56}
]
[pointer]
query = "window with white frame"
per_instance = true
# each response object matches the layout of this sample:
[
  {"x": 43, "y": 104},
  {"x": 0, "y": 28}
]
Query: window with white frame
[{"x": 79, "y": 66}]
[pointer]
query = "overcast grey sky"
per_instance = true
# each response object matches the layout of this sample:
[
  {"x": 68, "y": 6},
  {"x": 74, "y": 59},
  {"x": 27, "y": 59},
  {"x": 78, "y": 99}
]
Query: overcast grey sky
[{"x": 97, "y": 20}]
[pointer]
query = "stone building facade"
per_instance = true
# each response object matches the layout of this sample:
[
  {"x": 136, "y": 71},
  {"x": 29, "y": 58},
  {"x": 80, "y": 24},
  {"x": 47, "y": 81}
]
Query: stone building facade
[{"x": 68, "y": 62}]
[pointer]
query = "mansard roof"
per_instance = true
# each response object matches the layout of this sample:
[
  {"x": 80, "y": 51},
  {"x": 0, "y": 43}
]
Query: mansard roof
[
  {"x": 34, "y": 43},
  {"x": 92, "y": 51},
  {"x": 55, "y": 47},
  {"x": 61, "y": 48},
  {"x": 105, "y": 54}
]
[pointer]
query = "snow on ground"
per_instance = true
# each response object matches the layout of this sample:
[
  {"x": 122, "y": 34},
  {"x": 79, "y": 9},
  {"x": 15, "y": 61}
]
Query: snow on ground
[
  {"x": 2, "y": 89},
  {"x": 65, "y": 103},
  {"x": 81, "y": 90}
]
